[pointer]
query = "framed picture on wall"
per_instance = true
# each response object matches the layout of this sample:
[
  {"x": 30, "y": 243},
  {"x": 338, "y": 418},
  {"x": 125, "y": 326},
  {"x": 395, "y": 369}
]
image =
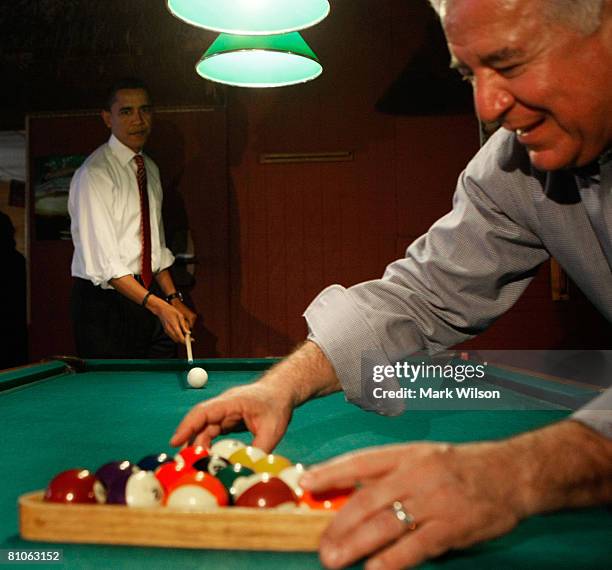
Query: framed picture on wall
[{"x": 51, "y": 182}]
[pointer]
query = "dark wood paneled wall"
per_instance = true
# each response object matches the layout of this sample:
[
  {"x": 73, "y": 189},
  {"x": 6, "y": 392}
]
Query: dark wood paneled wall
[
  {"x": 297, "y": 228},
  {"x": 279, "y": 233}
]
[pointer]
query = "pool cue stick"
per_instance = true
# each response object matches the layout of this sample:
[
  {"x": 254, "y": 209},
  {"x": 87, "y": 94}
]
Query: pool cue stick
[{"x": 188, "y": 345}]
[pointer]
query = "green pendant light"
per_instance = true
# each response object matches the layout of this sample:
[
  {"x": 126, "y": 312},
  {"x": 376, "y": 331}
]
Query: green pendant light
[
  {"x": 250, "y": 17},
  {"x": 259, "y": 61}
]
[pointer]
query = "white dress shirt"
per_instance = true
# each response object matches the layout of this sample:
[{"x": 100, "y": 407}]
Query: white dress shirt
[{"x": 104, "y": 207}]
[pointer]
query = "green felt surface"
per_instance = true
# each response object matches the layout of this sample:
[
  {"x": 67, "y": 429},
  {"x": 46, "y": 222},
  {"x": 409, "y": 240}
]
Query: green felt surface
[{"x": 126, "y": 410}]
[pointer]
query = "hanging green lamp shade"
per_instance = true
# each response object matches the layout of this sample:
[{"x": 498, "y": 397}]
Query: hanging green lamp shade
[
  {"x": 250, "y": 17},
  {"x": 259, "y": 61}
]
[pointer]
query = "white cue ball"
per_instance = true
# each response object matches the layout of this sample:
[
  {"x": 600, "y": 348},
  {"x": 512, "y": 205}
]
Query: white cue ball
[{"x": 197, "y": 377}]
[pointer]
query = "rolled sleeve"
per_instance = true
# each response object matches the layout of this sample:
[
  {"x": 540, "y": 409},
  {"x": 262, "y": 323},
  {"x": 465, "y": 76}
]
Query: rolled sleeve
[
  {"x": 166, "y": 259},
  {"x": 96, "y": 247},
  {"x": 338, "y": 327},
  {"x": 469, "y": 268}
]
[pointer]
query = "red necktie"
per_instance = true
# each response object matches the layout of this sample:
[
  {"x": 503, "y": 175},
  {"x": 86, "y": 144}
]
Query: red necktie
[{"x": 145, "y": 221}]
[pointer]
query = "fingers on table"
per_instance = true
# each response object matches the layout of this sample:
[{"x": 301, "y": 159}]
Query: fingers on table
[
  {"x": 428, "y": 541},
  {"x": 205, "y": 437},
  {"x": 436, "y": 531},
  {"x": 195, "y": 422},
  {"x": 210, "y": 417},
  {"x": 351, "y": 469},
  {"x": 364, "y": 504},
  {"x": 267, "y": 438},
  {"x": 375, "y": 533}
]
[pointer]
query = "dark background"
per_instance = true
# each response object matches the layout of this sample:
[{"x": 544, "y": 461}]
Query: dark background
[{"x": 386, "y": 96}]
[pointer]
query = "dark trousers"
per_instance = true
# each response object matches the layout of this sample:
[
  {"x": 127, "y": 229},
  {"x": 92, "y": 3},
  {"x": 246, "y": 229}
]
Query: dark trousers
[{"x": 109, "y": 325}]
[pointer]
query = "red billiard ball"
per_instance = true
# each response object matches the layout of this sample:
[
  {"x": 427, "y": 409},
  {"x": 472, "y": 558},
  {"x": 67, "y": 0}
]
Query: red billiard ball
[
  {"x": 197, "y": 490},
  {"x": 190, "y": 454},
  {"x": 169, "y": 473},
  {"x": 71, "y": 486},
  {"x": 332, "y": 500},
  {"x": 270, "y": 492},
  {"x": 242, "y": 484}
]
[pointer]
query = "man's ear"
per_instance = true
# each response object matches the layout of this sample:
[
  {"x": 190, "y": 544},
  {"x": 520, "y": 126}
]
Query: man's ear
[{"x": 106, "y": 117}]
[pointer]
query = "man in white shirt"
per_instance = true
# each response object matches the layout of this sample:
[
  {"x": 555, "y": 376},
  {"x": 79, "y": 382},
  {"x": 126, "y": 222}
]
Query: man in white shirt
[{"x": 124, "y": 302}]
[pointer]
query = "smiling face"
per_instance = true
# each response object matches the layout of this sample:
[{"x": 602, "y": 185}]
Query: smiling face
[
  {"x": 549, "y": 84},
  {"x": 130, "y": 117}
]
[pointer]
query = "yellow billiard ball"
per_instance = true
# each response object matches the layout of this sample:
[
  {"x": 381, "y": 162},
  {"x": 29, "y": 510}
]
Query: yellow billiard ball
[
  {"x": 247, "y": 456},
  {"x": 272, "y": 464}
]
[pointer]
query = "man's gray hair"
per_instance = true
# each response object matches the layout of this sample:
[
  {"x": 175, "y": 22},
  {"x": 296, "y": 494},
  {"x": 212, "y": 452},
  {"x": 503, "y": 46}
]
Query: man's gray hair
[{"x": 581, "y": 15}]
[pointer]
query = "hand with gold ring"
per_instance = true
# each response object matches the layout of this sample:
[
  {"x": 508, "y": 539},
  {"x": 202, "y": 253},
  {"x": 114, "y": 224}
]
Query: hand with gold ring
[{"x": 415, "y": 502}]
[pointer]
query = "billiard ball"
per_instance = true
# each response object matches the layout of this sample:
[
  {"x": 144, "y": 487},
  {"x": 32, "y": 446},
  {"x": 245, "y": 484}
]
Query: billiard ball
[
  {"x": 152, "y": 462},
  {"x": 197, "y": 490},
  {"x": 197, "y": 377},
  {"x": 292, "y": 475},
  {"x": 270, "y": 492},
  {"x": 71, "y": 486},
  {"x": 247, "y": 456},
  {"x": 169, "y": 473},
  {"x": 142, "y": 489},
  {"x": 138, "y": 489},
  {"x": 190, "y": 454},
  {"x": 225, "y": 447},
  {"x": 242, "y": 484},
  {"x": 332, "y": 500},
  {"x": 230, "y": 474},
  {"x": 272, "y": 464},
  {"x": 211, "y": 464},
  {"x": 107, "y": 475}
]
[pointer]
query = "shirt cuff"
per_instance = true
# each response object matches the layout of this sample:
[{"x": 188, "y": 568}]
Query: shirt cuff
[
  {"x": 343, "y": 334},
  {"x": 166, "y": 259},
  {"x": 113, "y": 271},
  {"x": 597, "y": 414}
]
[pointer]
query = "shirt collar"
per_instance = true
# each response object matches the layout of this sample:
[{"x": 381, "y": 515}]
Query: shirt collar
[
  {"x": 593, "y": 169},
  {"x": 123, "y": 153}
]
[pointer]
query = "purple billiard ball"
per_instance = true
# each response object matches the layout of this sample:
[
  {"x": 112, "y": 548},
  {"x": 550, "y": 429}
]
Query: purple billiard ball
[{"x": 105, "y": 488}]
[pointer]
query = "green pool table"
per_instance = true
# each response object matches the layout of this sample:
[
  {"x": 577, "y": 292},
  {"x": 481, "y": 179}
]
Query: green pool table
[{"x": 56, "y": 416}]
